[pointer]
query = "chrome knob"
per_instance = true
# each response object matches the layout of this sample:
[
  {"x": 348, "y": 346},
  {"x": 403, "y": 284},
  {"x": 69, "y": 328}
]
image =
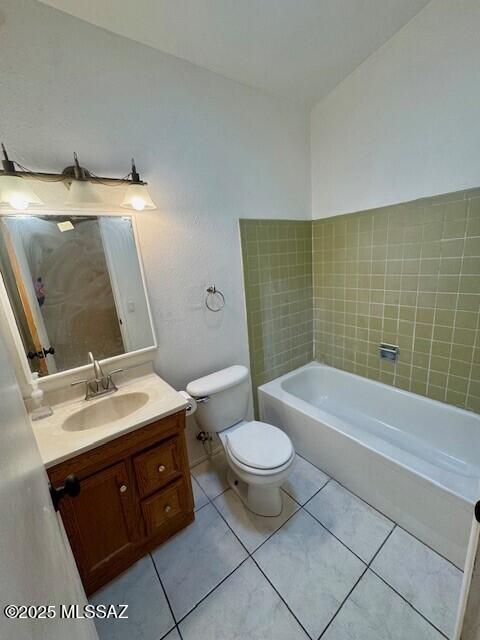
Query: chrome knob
[
  {"x": 123, "y": 488},
  {"x": 168, "y": 508},
  {"x": 161, "y": 468}
]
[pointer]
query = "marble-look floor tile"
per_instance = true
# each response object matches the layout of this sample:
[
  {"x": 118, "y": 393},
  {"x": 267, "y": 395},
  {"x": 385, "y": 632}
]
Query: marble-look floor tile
[
  {"x": 251, "y": 529},
  {"x": 149, "y": 616},
  {"x": 373, "y": 611},
  {"x": 244, "y": 607},
  {"x": 173, "y": 635},
  {"x": 311, "y": 569},
  {"x": 199, "y": 496},
  {"x": 193, "y": 562},
  {"x": 354, "y": 522},
  {"x": 428, "y": 581},
  {"x": 304, "y": 480},
  {"x": 211, "y": 475}
]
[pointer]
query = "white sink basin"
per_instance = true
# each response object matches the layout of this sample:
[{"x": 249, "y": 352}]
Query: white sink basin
[{"x": 105, "y": 410}]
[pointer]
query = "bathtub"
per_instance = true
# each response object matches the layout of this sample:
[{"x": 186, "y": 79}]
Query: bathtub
[{"x": 414, "y": 459}]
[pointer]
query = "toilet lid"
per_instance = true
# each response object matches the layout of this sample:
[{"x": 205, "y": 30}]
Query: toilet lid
[{"x": 259, "y": 445}]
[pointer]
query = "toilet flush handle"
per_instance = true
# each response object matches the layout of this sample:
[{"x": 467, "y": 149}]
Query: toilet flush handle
[{"x": 203, "y": 399}]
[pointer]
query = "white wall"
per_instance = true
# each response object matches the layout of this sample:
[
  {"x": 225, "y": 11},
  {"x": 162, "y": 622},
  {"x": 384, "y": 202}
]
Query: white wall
[
  {"x": 406, "y": 123},
  {"x": 212, "y": 150},
  {"x": 36, "y": 564}
]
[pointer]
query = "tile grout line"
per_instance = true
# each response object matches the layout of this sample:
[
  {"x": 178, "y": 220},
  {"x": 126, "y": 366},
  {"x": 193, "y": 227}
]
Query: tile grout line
[
  {"x": 166, "y": 596},
  {"x": 280, "y": 595},
  {"x": 330, "y": 478},
  {"x": 301, "y": 507},
  {"x": 169, "y": 632},
  {"x": 312, "y": 496},
  {"x": 180, "y": 620},
  {"x": 477, "y": 328},
  {"x": 382, "y": 545},
  {"x": 367, "y": 565},
  {"x": 400, "y": 527},
  {"x": 266, "y": 539},
  {"x": 457, "y": 300},
  {"x": 165, "y": 635},
  {"x": 383, "y": 514},
  {"x": 435, "y": 308},
  {"x": 341, "y": 541},
  {"x": 343, "y": 602},
  {"x": 250, "y": 557},
  {"x": 407, "y": 602}
]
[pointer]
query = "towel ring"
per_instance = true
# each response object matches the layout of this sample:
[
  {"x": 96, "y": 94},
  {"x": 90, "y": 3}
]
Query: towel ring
[{"x": 213, "y": 291}]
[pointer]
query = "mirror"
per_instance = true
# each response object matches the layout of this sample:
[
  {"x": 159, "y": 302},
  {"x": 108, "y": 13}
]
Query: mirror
[{"x": 75, "y": 285}]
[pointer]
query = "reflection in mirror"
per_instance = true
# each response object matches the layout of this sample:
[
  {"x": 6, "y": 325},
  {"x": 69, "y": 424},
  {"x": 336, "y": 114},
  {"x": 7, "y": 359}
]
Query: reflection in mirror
[{"x": 75, "y": 285}]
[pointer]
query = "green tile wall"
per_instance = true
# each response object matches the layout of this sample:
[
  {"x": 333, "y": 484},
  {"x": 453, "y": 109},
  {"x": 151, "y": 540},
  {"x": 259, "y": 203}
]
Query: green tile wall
[
  {"x": 408, "y": 275},
  {"x": 277, "y": 264}
]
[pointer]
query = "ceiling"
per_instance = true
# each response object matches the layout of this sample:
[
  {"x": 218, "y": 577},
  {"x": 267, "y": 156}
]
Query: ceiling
[{"x": 300, "y": 49}]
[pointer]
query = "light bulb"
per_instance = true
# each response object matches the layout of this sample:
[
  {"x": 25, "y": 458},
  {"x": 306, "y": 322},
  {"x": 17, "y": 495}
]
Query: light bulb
[
  {"x": 137, "y": 197},
  {"x": 18, "y": 201},
  {"x": 138, "y": 203},
  {"x": 17, "y": 193}
]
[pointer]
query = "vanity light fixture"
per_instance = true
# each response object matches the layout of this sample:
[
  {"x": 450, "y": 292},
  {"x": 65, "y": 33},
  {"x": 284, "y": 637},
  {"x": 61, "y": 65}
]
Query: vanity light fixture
[
  {"x": 82, "y": 192},
  {"x": 14, "y": 190},
  {"x": 17, "y": 193},
  {"x": 136, "y": 195}
]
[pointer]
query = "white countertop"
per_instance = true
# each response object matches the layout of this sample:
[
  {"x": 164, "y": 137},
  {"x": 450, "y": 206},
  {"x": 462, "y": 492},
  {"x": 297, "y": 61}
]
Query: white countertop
[{"x": 57, "y": 445}]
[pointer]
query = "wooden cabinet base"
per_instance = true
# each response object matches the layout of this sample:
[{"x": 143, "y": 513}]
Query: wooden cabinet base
[{"x": 135, "y": 493}]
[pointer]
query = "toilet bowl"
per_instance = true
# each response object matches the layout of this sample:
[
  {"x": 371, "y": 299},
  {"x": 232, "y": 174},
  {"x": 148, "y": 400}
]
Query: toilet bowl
[{"x": 259, "y": 455}]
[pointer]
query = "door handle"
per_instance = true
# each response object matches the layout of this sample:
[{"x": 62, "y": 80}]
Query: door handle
[{"x": 71, "y": 487}]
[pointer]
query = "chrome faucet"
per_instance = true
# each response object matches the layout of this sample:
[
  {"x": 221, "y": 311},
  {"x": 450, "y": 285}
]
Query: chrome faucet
[{"x": 101, "y": 384}]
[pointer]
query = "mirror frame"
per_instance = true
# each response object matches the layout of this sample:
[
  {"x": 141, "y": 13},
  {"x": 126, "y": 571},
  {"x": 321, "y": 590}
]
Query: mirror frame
[{"x": 9, "y": 328}]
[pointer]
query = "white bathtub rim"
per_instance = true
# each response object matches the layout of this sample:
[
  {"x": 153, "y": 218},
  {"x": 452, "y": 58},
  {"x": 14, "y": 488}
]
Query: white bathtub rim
[
  {"x": 442, "y": 523},
  {"x": 393, "y": 460},
  {"x": 408, "y": 394},
  {"x": 275, "y": 390}
]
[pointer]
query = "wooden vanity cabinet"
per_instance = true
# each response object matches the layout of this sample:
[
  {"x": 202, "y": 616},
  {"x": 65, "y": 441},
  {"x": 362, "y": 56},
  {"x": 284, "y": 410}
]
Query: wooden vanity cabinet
[{"x": 135, "y": 493}]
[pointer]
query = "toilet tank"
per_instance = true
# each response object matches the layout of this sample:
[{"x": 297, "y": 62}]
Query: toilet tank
[{"x": 226, "y": 398}]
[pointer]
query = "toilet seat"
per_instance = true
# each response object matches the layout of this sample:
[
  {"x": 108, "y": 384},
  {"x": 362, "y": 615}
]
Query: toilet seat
[{"x": 259, "y": 447}]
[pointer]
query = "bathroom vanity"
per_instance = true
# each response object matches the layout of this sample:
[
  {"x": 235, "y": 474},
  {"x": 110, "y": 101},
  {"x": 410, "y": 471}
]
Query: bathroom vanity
[
  {"x": 135, "y": 493},
  {"x": 128, "y": 452}
]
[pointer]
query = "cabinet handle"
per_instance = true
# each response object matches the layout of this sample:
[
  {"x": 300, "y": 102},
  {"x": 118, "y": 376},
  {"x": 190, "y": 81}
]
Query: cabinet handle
[
  {"x": 161, "y": 468},
  {"x": 168, "y": 508},
  {"x": 71, "y": 487},
  {"x": 123, "y": 488}
]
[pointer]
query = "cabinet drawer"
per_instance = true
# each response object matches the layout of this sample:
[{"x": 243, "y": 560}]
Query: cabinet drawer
[
  {"x": 162, "y": 507},
  {"x": 158, "y": 466}
]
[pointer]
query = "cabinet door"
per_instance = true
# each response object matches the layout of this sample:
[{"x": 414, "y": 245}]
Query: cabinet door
[{"x": 101, "y": 524}]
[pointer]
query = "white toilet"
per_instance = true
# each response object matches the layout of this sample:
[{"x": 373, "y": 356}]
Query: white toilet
[{"x": 259, "y": 455}]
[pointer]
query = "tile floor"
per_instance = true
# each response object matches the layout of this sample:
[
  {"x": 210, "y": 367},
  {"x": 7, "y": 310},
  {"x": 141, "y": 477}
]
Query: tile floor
[{"x": 328, "y": 567}]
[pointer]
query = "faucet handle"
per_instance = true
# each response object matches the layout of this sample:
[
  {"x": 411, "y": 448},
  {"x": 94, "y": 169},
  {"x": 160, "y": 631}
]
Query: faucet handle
[{"x": 74, "y": 384}]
